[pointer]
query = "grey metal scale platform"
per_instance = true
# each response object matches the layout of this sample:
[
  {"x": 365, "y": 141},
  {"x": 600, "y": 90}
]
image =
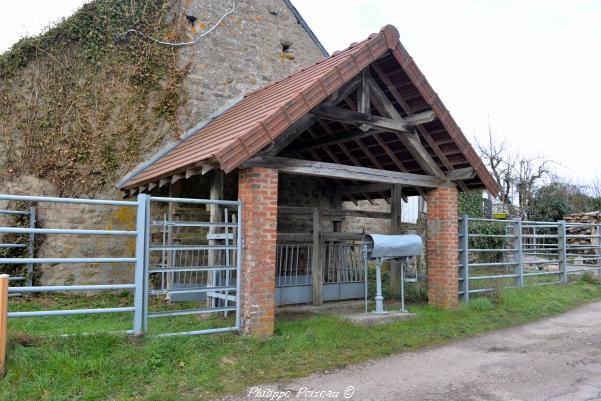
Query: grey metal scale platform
[{"x": 383, "y": 247}]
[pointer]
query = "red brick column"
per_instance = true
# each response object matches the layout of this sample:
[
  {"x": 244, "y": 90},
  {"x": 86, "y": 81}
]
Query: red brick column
[
  {"x": 441, "y": 247},
  {"x": 258, "y": 191}
]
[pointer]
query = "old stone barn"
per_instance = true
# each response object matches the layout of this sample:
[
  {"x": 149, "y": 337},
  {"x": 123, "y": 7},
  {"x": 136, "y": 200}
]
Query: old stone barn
[{"x": 301, "y": 138}]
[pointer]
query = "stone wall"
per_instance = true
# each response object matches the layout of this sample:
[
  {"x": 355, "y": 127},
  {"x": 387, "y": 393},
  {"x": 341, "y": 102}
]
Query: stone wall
[
  {"x": 243, "y": 54},
  {"x": 300, "y": 191}
]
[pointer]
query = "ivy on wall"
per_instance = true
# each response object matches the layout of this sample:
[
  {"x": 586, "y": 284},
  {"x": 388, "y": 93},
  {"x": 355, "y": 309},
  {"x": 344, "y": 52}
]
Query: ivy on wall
[
  {"x": 81, "y": 104},
  {"x": 471, "y": 204}
]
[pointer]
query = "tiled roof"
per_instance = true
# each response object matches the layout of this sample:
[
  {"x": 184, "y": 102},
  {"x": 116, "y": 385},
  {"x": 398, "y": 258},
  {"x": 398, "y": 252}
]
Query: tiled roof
[{"x": 255, "y": 121}]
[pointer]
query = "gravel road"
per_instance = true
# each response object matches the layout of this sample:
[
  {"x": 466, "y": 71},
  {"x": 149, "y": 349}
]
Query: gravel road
[{"x": 552, "y": 359}]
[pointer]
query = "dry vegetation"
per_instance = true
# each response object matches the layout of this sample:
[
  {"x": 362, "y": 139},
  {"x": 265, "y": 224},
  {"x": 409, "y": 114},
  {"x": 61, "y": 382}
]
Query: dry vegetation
[{"x": 81, "y": 104}]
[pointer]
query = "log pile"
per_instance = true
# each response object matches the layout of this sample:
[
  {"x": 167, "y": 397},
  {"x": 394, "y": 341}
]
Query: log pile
[{"x": 588, "y": 229}]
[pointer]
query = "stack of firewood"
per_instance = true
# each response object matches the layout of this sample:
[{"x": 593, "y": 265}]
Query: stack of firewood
[{"x": 588, "y": 234}]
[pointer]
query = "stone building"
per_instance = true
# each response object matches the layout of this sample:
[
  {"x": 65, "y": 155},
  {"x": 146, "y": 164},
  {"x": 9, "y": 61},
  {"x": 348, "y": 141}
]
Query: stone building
[{"x": 260, "y": 42}]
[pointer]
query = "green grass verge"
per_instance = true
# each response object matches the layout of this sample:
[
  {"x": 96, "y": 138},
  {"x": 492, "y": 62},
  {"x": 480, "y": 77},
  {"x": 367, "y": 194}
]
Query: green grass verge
[{"x": 117, "y": 367}]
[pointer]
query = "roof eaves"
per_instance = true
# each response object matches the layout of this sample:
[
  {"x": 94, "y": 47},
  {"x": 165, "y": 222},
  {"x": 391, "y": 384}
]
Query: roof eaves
[{"x": 122, "y": 183}]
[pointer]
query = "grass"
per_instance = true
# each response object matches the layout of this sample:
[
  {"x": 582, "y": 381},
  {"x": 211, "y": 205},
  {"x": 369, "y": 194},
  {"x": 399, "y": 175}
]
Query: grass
[{"x": 117, "y": 367}]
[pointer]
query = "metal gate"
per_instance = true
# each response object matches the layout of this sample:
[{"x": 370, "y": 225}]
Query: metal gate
[
  {"x": 193, "y": 259},
  {"x": 30, "y": 215},
  {"x": 341, "y": 265},
  {"x": 343, "y": 270}
]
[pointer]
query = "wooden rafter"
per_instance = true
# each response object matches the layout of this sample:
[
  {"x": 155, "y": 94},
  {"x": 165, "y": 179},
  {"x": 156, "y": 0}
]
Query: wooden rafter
[
  {"x": 352, "y": 158},
  {"x": 340, "y": 138},
  {"x": 357, "y": 118},
  {"x": 305, "y": 122},
  {"x": 407, "y": 109},
  {"x": 386, "y": 149},
  {"x": 315, "y": 156},
  {"x": 332, "y": 156},
  {"x": 395, "y": 160},
  {"x": 411, "y": 142}
]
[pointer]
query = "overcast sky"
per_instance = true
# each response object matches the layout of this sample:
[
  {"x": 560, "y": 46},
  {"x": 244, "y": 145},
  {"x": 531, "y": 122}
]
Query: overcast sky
[{"x": 530, "y": 67}]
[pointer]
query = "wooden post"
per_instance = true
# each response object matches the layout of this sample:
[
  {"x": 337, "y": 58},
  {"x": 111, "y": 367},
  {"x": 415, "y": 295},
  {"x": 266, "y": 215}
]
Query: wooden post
[
  {"x": 215, "y": 216},
  {"x": 395, "y": 228},
  {"x": 174, "y": 192},
  {"x": 3, "y": 322},
  {"x": 337, "y": 204},
  {"x": 316, "y": 270}
]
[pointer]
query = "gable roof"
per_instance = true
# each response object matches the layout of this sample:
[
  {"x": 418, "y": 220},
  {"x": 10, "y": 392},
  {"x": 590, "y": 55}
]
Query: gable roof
[{"x": 261, "y": 116}]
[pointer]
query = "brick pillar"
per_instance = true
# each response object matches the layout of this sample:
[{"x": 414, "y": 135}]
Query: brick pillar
[
  {"x": 258, "y": 191},
  {"x": 441, "y": 247}
]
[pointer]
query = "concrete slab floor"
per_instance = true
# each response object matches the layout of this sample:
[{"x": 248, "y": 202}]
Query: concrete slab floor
[{"x": 371, "y": 319}]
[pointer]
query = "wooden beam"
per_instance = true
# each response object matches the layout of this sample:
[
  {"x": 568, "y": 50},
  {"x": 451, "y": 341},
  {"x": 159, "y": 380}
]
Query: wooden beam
[
  {"x": 315, "y": 156},
  {"x": 163, "y": 182},
  {"x": 407, "y": 109},
  {"x": 357, "y": 118},
  {"x": 338, "y": 139},
  {"x": 365, "y": 188},
  {"x": 363, "y": 99},
  {"x": 331, "y": 170},
  {"x": 215, "y": 216},
  {"x": 308, "y": 237},
  {"x": 395, "y": 228},
  {"x": 420, "y": 118},
  {"x": 192, "y": 172},
  {"x": 290, "y": 134},
  {"x": 332, "y": 213},
  {"x": 208, "y": 167},
  {"x": 411, "y": 142},
  {"x": 396, "y": 161},
  {"x": 176, "y": 177},
  {"x": 466, "y": 173},
  {"x": 316, "y": 270}
]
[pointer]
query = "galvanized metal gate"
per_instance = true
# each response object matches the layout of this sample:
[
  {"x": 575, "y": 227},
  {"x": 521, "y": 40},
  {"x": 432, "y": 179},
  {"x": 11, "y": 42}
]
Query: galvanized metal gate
[
  {"x": 194, "y": 257},
  {"x": 30, "y": 215},
  {"x": 179, "y": 259},
  {"x": 340, "y": 261}
]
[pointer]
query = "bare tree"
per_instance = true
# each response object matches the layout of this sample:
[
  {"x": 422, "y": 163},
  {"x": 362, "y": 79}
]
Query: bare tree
[
  {"x": 496, "y": 156},
  {"x": 517, "y": 174},
  {"x": 594, "y": 188},
  {"x": 528, "y": 173}
]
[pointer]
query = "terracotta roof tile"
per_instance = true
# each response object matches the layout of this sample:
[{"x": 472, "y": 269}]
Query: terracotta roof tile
[{"x": 254, "y": 122}]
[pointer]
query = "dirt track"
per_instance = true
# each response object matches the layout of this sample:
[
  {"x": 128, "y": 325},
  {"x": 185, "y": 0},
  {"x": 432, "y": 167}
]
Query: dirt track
[{"x": 554, "y": 359}]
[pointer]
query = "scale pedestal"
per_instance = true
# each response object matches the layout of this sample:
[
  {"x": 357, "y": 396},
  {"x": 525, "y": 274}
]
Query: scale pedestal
[{"x": 387, "y": 247}]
